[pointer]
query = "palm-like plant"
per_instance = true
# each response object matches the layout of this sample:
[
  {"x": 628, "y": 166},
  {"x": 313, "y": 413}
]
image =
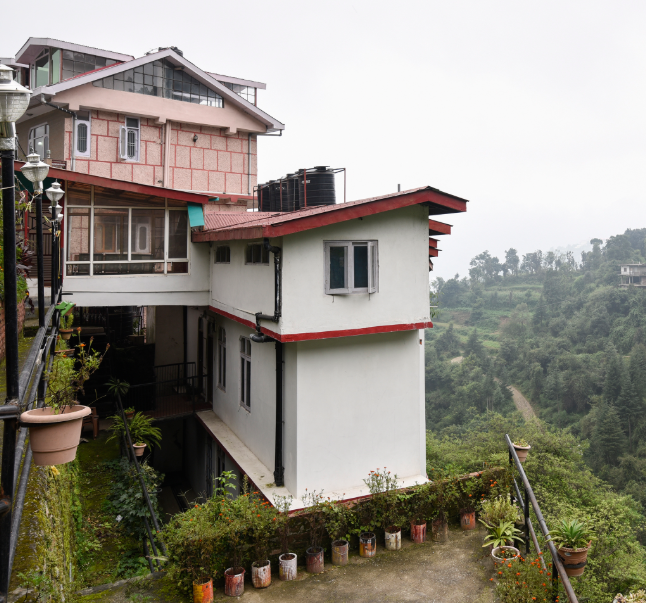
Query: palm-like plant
[
  {"x": 572, "y": 534},
  {"x": 116, "y": 386},
  {"x": 501, "y": 534},
  {"x": 141, "y": 429}
]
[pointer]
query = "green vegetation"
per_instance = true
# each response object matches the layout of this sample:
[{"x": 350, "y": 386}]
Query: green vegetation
[{"x": 142, "y": 430}]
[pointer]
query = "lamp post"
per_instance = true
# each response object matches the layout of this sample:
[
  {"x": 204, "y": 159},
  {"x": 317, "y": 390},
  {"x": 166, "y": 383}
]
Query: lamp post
[
  {"x": 55, "y": 194},
  {"x": 14, "y": 100},
  {"x": 36, "y": 171}
]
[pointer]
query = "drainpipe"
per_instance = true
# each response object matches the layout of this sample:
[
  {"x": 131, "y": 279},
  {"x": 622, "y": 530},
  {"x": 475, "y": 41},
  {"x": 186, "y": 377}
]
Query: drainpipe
[
  {"x": 259, "y": 337},
  {"x": 248, "y": 163}
]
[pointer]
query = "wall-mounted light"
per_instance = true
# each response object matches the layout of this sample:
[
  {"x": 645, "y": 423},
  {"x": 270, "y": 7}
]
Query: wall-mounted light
[{"x": 195, "y": 138}]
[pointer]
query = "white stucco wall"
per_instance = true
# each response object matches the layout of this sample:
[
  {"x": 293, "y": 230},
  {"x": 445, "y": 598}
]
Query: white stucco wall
[{"x": 146, "y": 289}]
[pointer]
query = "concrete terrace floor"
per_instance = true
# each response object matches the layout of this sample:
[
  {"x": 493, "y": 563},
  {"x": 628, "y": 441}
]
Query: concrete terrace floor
[{"x": 454, "y": 572}]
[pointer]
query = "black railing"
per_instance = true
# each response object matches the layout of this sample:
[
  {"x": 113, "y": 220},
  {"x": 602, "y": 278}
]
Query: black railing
[{"x": 557, "y": 567}]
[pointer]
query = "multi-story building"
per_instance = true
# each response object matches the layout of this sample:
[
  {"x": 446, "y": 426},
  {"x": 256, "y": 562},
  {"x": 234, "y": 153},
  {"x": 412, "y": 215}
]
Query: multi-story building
[{"x": 633, "y": 274}]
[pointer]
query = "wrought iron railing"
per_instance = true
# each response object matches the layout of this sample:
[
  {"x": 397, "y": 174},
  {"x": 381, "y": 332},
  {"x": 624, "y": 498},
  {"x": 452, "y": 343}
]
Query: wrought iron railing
[{"x": 558, "y": 571}]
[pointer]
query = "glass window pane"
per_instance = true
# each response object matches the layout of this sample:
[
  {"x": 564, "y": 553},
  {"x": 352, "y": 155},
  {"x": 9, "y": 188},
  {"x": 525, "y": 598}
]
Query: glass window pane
[
  {"x": 110, "y": 234},
  {"x": 77, "y": 270},
  {"x": 256, "y": 254},
  {"x": 248, "y": 388},
  {"x": 68, "y": 73},
  {"x": 360, "y": 266},
  {"x": 337, "y": 268},
  {"x": 42, "y": 71},
  {"x": 177, "y": 268},
  {"x": 119, "y": 85},
  {"x": 248, "y": 257},
  {"x": 126, "y": 268},
  {"x": 177, "y": 234},
  {"x": 147, "y": 234},
  {"x": 78, "y": 234},
  {"x": 79, "y": 56},
  {"x": 56, "y": 66},
  {"x": 68, "y": 54},
  {"x": 99, "y": 61},
  {"x": 81, "y": 138},
  {"x": 148, "y": 69}
]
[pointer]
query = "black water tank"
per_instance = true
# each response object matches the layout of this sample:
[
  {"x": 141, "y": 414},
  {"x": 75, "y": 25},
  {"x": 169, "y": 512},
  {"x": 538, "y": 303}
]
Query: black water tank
[
  {"x": 263, "y": 197},
  {"x": 319, "y": 189},
  {"x": 290, "y": 196}
]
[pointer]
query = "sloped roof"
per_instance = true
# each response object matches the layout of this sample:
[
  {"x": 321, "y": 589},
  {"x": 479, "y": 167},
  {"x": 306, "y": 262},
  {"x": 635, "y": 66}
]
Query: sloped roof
[{"x": 224, "y": 227}]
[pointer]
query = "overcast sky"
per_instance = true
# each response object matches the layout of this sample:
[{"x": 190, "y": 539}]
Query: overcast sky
[{"x": 533, "y": 111}]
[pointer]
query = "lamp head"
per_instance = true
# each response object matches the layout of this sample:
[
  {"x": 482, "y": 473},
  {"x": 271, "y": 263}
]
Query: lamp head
[
  {"x": 14, "y": 100},
  {"x": 55, "y": 193},
  {"x": 35, "y": 171}
]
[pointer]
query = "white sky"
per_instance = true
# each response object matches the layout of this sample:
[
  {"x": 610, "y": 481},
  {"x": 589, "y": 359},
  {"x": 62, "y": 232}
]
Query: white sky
[{"x": 532, "y": 110}]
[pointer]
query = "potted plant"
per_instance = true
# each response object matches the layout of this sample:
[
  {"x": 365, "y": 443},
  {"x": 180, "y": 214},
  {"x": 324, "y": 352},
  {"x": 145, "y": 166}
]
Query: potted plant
[
  {"x": 522, "y": 449},
  {"x": 142, "y": 432},
  {"x": 495, "y": 510},
  {"x": 419, "y": 509},
  {"x": 383, "y": 506},
  {"x": 466, "y": 491},
  {"x": 573, "y": 539},
  {"x": 313, "y": 515},
  {"x": 499, "y": 538},
  {"x": 66, "y": 323},
  {"x": 55, "y": 429},
  {"x": 442, "y": 494},
  {"x": 337, "y": 522},
  {"x": 287, "y": 561}
]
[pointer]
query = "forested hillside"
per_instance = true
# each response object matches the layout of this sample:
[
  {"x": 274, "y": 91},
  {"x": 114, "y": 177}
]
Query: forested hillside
[{"x": 562, "y": 331}]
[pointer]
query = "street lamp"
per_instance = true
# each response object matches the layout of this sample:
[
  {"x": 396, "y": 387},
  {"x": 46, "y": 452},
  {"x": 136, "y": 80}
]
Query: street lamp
[
  {"x": 55, "y": 194},
  {"x": 35, "y": 171},
  {"x": 14, "y": 100}
]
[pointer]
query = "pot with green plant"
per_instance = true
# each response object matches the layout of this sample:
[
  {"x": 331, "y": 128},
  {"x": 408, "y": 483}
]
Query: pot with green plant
[
  {"x": 467, "y": 489},
  {"x": 573, "y": 539},
  {"x": 66, "y": 323},
  {"x": 499, "y": 539},
  {"x": 315, "y": 519},
  {"x": 442, "y": 496},
  {"x": 287, "y": 561},
  {"x": 55, "y": 429},
  {"x": 338, "y": 518},
  {"x": 522, "y": 449},
  {"x": 262, "y": 524},
  {"x": 384, "y": 507},
  {"x": 142, "y": 432}
]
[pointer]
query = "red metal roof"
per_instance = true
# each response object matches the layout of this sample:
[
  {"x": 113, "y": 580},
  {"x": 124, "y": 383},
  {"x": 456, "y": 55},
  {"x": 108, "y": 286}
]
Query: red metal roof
[{"x": 224, "y": 227}]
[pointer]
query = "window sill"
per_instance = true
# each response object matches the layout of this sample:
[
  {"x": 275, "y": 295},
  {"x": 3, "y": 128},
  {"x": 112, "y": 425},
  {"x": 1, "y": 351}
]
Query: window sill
[{"x": 243, "y": 407}]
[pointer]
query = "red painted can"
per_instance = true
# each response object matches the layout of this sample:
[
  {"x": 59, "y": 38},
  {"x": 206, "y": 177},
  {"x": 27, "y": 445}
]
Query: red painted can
[
  {"x": 468, "y": 520},
  {"x": 314, "y": 563},
  {"x": 234, "y": 581},
  {"x": 418, "y": 532},
  {"x": 340, "y": 552},
  {"x": 367, "y": 544},
  {"x": 203, "y": 593},
  {"x": 261, "y": 574}
]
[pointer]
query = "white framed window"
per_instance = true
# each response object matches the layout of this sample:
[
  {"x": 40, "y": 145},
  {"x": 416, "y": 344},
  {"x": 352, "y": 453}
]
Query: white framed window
[
  {"x": 256, "y": 253},
  {"x": 245, "y": 373},
  {"x": 39, "y": 140},
  {"x": 129, "y": 140},
  {"x": 222, "y": 359},
  {"x": 82, "y": 136},
  {"x": 222, "y": 254},
  {"x": 351, "y": 267}
]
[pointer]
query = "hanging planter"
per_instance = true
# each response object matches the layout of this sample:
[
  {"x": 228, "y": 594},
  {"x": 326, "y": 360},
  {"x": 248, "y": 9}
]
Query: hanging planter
[
  {"x": 467, "y": 519},
  {"x": 203, "y": 592},
  {"x": 66, "y": 334},
  {"x": 574, "y": 560},
  {"x": 234, "y": 581},
  {"x": 340, "y": 552},
  {"x": 139, "y": 449},
  {"x": 367, "y": 544},
  {"x": 261, "y": 573},
  {"x": 314, "y": 562},
  {"x": 573, "y": 539},
  {"x": 54, "y": 437},
  {"x": 522, "y": 449},
  {"x": 505, "y": 553},
  {"x": 287, "y": 566},
  {"x": 418, "y": 532},
  {"x": 393, "y": 538}
]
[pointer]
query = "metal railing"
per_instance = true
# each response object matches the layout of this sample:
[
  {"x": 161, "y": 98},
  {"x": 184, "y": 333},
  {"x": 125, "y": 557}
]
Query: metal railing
[{"x": 557, "y": 567}]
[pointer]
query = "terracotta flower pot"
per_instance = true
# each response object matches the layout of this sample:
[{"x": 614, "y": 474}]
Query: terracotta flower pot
[
  {"x": 314, "y": 562},
  {"x": 340, "y": 552},
  {"x": 498, "y": 558},
  {"x": 439, "y": 531},
  {"x": 468, "y": 520},
  {"x": 393, "y": 538},
  {"x": 66, "y": 333},
  {"x": 287, "y": 566},
  {"x": 261, "y": 573},
  {"x": 54, "y": 437},
  {"x": 234, "y": 581},
  {"x": 139, "y": 449},
  {"x": 367, "y": 544},
  {"x": 130, "y": 414},
  {"x": 522, "y": 452},
  {"x": 574, "y": 560},
  {"x": 203, "y": 593},
  {"x": 418, "y": 532}
]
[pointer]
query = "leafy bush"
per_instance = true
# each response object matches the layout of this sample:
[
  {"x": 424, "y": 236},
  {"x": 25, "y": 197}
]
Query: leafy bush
[
  {"x": 142, "y": 430},
  {"x": 523, "y": 581}
]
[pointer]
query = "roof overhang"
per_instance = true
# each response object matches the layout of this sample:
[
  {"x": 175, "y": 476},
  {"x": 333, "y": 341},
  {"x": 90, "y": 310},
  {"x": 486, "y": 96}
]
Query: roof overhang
[
  {"x": 277, "y": 225},
  {"x": 122, "y": 185},
  {"x": 237, "y": 80},
  {"x": 33, "y": 46}
]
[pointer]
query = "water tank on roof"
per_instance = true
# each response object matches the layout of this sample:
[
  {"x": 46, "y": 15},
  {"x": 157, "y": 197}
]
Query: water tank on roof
[
  {"x": 316, "y": 187},
  {"x": 290, "y": 198},
  {"x": 263, "y": 197}
]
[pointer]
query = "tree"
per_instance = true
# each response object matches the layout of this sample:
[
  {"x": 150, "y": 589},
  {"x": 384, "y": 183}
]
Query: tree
[
  {"x": 612, "y": 384},
  {"x": 638, "y": 369},
  {"x": 629, "y": 405},
  {"x": 595, "y": 258},
  {"x": 512, "y": 260},
  {"x": 448, "y": 342},
  {"x": 474, "y": 345},
  {"x": 607, "y": 436}
]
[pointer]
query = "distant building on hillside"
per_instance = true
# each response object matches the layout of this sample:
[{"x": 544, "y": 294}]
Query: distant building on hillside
[{"x": 633, "y": 274}]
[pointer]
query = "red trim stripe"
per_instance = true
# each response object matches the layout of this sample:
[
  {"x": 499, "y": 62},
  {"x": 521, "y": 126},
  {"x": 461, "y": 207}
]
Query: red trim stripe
[{"x": 294, "y": 337}]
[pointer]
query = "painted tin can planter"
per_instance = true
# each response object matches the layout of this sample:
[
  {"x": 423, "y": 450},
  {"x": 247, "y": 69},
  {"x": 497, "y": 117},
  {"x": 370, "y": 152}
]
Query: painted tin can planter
[
  {"x": 234, "y": 581},
  {"x": 340, "y": 552},
  {"x": 261, "y": 574},
  {"x": 440, "y": 531},
  {"x": 287, "y": 566},
  {"x": 367, "y": 544},
  {"x": 393, "y": 538},
  {"x": 203, "y": 593},
  {"x": 418, "y": 532},
  {"x": 468, "y": 520},
  {"x": 314, "y": 562},
  {"x": 574, "y": 560}
]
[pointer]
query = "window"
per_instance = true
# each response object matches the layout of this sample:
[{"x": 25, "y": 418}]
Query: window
[
  {"x": 351, "y": 267},
  {"x": 245, "y": 373},
  {"x": 256, "y": 254},
  {"x": 120, "y": 232},
  {"x": 246, "y": 92},
  {"x": 41, "y": 69},
  {"x": 165, "y": 80},
  {"x": 83, "y": 134},
  {"x": 222, "y": 358},
  {"x": 77, "y": 63},
  {"x": 223, "y": 254},
  {"x": 39, "y": 140},
  {"x": 129, "y": 140}
]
